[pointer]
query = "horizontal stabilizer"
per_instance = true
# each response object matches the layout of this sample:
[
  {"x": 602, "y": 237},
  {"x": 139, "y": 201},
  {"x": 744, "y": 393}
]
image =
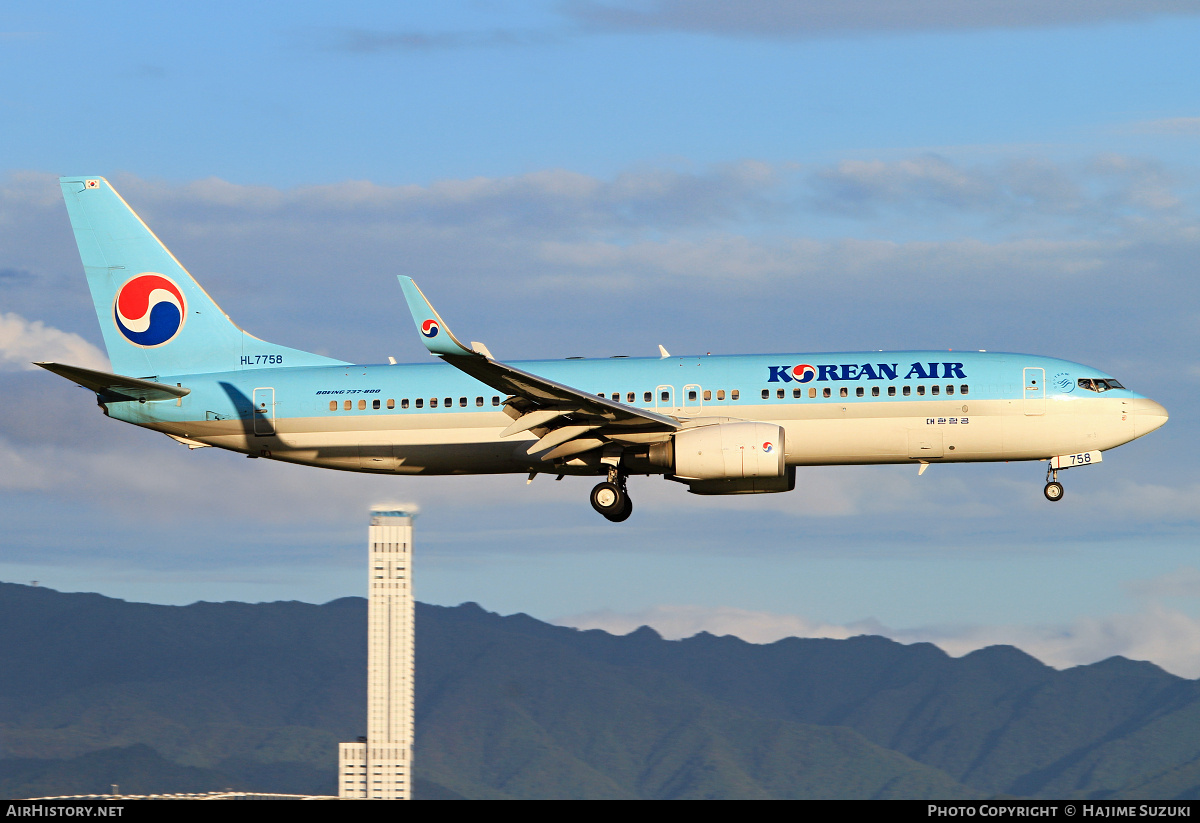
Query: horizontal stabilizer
[{"x": 103, "y": 382}]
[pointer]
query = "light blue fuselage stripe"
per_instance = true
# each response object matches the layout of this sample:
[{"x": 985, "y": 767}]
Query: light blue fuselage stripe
[{"x": 307, "y": 391}]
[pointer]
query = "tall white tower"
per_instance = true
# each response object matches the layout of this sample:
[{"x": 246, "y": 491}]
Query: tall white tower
[{"x": 381, "y": 767}]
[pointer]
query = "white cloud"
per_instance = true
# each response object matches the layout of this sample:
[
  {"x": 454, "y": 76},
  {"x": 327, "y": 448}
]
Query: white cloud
[
  {"x": 676, "y": 622},
  {"x": 22, "y": 342},
  {"x": 1183, "y": 582},
  {"x": 540, "y": 203},
  {"x": 766, "y": 19},
  {"x": 18, "y": 472},
  {"x": 1107, "y": 188},
  {"x": 789, "y": 19},
  {"x": 1183, "y": 126},
  {"x": 1158, "y": 502},
  {"x": 1169, "y": 639}
]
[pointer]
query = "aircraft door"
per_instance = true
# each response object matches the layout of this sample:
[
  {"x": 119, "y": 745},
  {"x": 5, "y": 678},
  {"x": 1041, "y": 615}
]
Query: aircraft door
[
  {"x": 692, "y": 399},
  {"x": 925, "y": 443},
  {"x": 1035, "y": 391},
  {"x": 664, "y": 400},
  {"x": 264, "y": 411},
  {"x": 376, "y": 457}
]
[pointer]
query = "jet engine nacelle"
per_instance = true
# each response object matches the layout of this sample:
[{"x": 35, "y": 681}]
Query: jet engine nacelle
[{"x": 728, "y": 451}]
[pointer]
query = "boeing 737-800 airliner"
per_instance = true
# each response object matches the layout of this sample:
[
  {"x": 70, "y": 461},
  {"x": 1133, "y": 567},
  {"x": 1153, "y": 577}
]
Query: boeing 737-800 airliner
[{"x": 720, "y": 425}]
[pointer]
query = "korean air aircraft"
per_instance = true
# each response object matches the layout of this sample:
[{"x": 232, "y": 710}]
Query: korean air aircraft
[{"x": 719, "y": 425}]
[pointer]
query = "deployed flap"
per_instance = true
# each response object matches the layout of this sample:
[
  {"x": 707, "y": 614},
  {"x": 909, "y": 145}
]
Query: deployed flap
[
  {"x": 101, "y": 381},
  {"x": 543, "y": 393}
]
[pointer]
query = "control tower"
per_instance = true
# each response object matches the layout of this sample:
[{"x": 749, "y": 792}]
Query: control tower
[{"x": 380, "y": 768}]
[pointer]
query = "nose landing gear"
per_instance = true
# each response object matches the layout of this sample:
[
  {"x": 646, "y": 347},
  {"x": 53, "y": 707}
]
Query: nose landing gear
[
  {"x": 611, "y": 498},
  {"x": 1054, "y": 489}
]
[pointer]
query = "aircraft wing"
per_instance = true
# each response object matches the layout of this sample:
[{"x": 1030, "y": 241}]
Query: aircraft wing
[
  {"x": 567, "y": 420},
  {"x": 102, "y": 381}
]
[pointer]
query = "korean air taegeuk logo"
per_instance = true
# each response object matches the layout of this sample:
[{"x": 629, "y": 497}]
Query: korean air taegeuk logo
[{"x": 149, "y": 310}]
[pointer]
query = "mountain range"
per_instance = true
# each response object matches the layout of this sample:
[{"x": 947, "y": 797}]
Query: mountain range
[{"x": 96, "y": 691}]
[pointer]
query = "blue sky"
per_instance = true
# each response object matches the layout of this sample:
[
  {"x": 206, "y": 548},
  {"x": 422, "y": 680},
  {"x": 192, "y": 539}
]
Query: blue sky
[{"x": 596, "y": 178}]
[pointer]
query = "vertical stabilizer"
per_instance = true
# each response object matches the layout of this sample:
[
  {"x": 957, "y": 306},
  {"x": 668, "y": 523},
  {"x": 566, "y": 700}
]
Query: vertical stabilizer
[{"x": 154, "y": 317}]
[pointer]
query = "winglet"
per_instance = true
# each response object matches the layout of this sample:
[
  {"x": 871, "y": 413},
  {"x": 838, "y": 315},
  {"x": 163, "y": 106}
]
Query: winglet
[{"x": 434, "y": 332}]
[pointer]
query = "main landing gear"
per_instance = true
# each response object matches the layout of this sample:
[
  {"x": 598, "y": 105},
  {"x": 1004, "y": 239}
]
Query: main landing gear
[
  {"x": 1054, "y": 489},
  {"x": 611, "y": 498}
]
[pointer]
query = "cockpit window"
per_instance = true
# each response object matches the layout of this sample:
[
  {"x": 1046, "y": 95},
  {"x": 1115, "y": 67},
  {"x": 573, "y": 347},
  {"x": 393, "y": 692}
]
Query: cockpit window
[{"x": 1097, "y": 384}]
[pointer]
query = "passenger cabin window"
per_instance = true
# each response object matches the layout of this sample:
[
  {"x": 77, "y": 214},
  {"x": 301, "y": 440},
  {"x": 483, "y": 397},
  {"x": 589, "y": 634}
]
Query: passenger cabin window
[
  {"x": 374, "y": 404},
  {"x": 449, "y": 402},
  {"x": 891, "y": 391},
  {"x": 812, "y": 392},
  {"x": 362, "y": 405},
  {"x": 920, "y": 391},
  {"x": 630, "y": 397},
  {"x": 433, "y": 402},
  {"x": 934, "y": 390},
  {"x": 647, "y": 397},
  {"x": 720, "y": 394},
  {"x": 779, "y": 393},
  {"x": 462, "y": 402},
  {"x": 950, "y": 390},
  {"x": 874, "y": 391},
  {"x": 963, "y": 388},
  {"x": 826, "y": 392},
  {"x": 845, "y": 392},
  {"x": 735, "y": 394},
  {"x": 391, "y": 403},
  {"x": 404, "y": 403},
  {"x": 346, "y": 405},
  {"x": 797, "y": 392},
  {"x": 907, "y": 391},
  {"x": 665, "y": 396},
  {"x": 858, "y": 392},
  {"x": 495, "y": 400},
  {"x": 420, "y": 402},
  {"x": 707, "y": 395},
  {"x": 333, "y": 405},
  {"x": 691, "y": 396},
  {"x": 766, "y": 393},
  {"x": 478, "y": 402}
]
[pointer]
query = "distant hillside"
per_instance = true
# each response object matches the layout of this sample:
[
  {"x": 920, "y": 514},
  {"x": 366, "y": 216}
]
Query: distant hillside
[{"x": 218, "y": 695}]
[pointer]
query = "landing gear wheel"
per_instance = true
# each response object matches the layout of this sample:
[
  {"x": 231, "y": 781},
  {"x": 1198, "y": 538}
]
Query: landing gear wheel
[
  {"x": 1053, "y": 491},
  {"x": 626, "y": 510},
  {"x": 612, "y": 501}
]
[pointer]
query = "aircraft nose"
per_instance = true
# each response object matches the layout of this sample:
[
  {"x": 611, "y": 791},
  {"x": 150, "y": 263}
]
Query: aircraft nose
[{"x": 1147, "y": 415}]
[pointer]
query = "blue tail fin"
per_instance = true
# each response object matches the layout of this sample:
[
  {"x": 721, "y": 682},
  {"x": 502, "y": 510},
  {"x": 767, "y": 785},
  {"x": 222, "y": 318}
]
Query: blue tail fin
[{"x": 155, "y": 318}]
